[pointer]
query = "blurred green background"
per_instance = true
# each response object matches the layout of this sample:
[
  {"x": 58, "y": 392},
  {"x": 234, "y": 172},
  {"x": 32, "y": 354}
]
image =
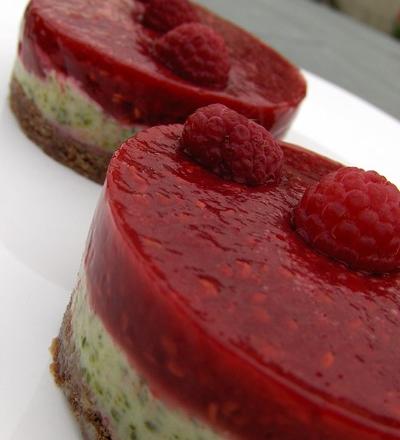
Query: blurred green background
[{"x": 380, "y": 14}]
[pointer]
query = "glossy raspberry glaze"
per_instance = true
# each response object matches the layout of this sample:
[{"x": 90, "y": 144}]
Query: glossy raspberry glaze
[
  {"x": 103, "y": 45},
  {"x": 227, "y": 312}
]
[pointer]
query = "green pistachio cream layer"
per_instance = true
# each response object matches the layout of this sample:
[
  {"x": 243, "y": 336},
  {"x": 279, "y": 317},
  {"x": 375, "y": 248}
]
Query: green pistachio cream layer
[
  {"x": 62, "y": 102},
  {"x": 120, "y": 394}
]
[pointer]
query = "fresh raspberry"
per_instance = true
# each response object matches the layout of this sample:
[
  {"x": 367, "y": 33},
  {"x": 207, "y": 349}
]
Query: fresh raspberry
[
  {"x": 197, "y": 53},
  {"x": 164, "y": 15},
  {"x": 232, "y": 146},
  {"x": 353, "y": 216}
]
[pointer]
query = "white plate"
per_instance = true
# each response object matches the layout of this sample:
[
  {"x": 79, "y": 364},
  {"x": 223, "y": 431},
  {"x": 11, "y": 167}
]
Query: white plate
[{"x": 45, "y": 212}]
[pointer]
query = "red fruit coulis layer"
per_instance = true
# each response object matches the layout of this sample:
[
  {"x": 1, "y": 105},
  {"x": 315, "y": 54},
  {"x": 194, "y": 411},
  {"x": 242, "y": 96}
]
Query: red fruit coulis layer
[
  {"x": 226, "y": 312},
  {"x": 105, "y": 47}
]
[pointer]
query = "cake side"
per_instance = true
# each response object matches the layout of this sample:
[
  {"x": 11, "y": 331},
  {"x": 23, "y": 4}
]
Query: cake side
[
  {"x": 61, "y": 101},
  {"x": 108, "y": 397},
  {"x": 83, "y": 158},
  {"x": 68, "y": 376}
]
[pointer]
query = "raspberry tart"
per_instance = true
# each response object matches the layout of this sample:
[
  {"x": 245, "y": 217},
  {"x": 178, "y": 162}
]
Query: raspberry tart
[
  {"x": 90, "y": 74},
  {"x": 205, "y": 308}
]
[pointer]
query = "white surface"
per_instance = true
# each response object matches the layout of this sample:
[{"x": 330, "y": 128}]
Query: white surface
[{"x": 45, "y": 215}]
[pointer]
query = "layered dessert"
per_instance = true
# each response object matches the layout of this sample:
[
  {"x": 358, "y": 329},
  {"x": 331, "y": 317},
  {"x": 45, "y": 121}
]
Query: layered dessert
[
  {"x": 90, "y": 74},
  {"x": 235, "y": 287}
]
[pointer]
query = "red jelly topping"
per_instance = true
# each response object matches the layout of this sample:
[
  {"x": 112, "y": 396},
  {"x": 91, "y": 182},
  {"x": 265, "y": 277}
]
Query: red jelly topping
[
  {"x": 106, "y": 48},
  {"x": 225, "y": 310},
  {"x": 354, "y": 216},
  {"x": 232, "y": 146}
]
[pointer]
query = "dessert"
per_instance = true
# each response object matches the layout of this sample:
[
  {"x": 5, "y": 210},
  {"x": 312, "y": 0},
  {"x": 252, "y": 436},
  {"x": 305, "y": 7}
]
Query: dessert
[
  {"x": 202, "y": 313},
  {"x": 88, "y": 76}
]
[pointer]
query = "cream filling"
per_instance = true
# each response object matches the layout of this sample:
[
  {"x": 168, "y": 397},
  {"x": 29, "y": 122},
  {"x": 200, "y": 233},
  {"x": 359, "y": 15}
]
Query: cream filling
[
  {"x": 62, "y": 102},
  {"x": 123, "y": 397}
]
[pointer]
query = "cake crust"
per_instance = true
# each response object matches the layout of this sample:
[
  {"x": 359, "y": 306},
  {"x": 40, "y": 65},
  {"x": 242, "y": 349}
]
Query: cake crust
[
  {"x": 67, "y": 376},
  {"x": 84, "y": 159}
]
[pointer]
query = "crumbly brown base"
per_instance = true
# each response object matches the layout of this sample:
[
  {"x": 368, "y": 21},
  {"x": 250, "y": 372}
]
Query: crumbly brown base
[
  {"x": 68, "y": 377},
  {"x": 82, "y": 158}
]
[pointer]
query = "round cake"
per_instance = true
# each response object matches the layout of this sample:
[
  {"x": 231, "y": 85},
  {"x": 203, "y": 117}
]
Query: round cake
[
  {"x": 90, "y": 74},
  {"x": 202, "y": 313}
]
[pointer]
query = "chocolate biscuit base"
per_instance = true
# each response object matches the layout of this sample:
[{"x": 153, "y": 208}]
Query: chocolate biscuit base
[
  {"x": 84, "y": 159},
  {"x": 68, "y": 376}
]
